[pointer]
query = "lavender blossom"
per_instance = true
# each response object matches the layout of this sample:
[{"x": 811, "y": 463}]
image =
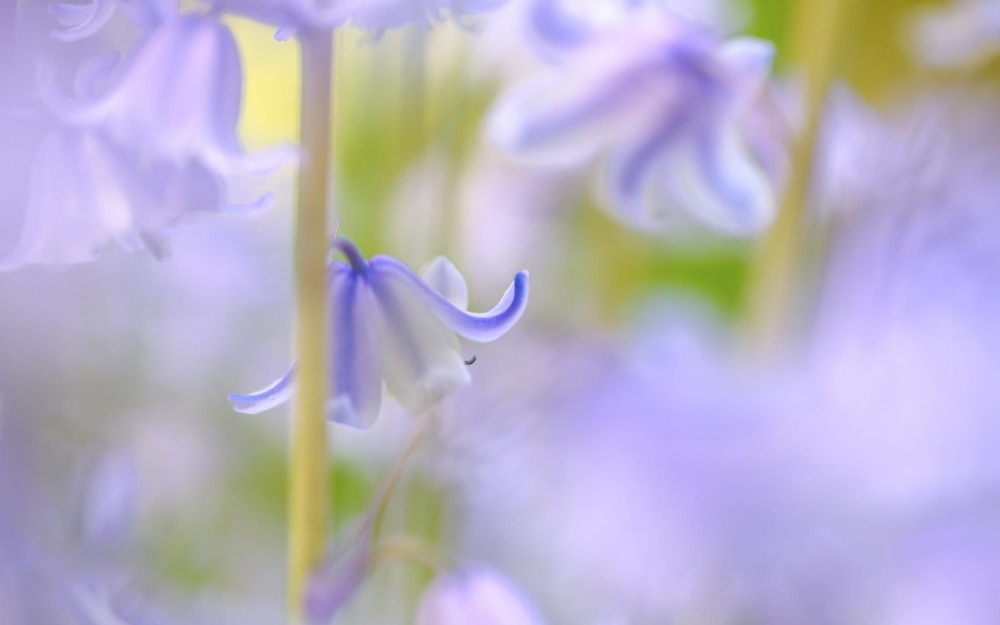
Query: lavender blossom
[
  {"x": 139, "y": 148},
  {"x": 665, "y": 104},
  {"x": 474, "y": 597},
  {"x": 176, "y": 98},
  {"x": 85, "y": 20},
  {"x": 390, "y": 325},
  {"x": 86, "y": 193}
]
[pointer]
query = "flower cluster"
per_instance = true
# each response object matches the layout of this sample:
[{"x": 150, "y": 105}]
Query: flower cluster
[
  {"x": 664, "y": 102},
  {"x": 142, "y": 144}
]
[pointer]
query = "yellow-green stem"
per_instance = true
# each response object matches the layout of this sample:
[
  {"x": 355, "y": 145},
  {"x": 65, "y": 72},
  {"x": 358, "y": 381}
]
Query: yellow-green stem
[
  {"x": 819, "y": 33},
  {"x": 309, "y": 488}
]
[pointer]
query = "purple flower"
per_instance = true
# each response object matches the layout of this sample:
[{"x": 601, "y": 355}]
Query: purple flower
[
  {"x": 139, "y": 147},
  {"x": 86, "y": 193},
  {"x": 474, "y": 597},
  {"x": 177, "y": 98},
  {"x": 85, "y": 20},
  {"x": 664, "y": 103},
  {"x": 390, "y": 325}
]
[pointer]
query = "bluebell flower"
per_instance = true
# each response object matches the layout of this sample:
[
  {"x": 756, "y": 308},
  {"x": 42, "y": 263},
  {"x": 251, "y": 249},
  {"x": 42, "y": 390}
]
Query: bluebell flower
[
  {"x": 85, "y": 193},
  {"x": 664, "y": 103},
  {"x": 475, "y": 597},
  {"x": 176, "y": 97},
  {"x": 84, "y": 20},
  {"x": 388, "y": 324}
]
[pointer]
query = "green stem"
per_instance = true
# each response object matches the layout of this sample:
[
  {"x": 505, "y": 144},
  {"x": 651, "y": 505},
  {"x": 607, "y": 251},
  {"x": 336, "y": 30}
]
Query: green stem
[
  {"x": 309, "y": 489},
  {"x": 819, "y": 35}
]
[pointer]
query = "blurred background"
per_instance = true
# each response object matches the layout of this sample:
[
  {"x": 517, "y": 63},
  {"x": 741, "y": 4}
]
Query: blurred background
[{"x": 622, "y": 456}]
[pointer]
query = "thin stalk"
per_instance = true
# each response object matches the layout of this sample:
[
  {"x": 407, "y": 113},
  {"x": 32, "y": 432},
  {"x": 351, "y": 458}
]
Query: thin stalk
[
  {"x": 819, "y": 35},
  {"x": 309, "y": 487}
]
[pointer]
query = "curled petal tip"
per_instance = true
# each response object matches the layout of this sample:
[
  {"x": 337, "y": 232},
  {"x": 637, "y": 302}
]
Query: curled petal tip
[
  {"x": 478, "y": 327},
  {"x": 270, "y": 397}
]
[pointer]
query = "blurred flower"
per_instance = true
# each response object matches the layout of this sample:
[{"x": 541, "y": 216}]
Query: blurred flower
[
  {"x": 86, "y": 193},
  {"x": 474, "y": 597},
  {"x": 85, "y": 20},
  {"x": 961, "y": 33},
  {"x": 137, "y": 151},
  {"x": 176, "y": 98},
  {"x": 389, "y": 324},
  {"x": 666, "y": 102}
]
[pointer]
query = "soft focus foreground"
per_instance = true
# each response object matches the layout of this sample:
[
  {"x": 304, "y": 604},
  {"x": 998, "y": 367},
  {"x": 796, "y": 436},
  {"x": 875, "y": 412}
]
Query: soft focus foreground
[{"x": 754, "y": 380}]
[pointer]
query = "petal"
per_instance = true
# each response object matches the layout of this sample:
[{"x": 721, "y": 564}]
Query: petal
[
  {"x": 555, "y": 27},
  {"x": 479, "y": 327},
  {"x": 274, "y": 395},
  {"x": 747, "y": 62},
  {"x": 716, "y": 179},
  {"x": 356, "y": 382},
  {"x": 633, "y": 172},
  {"x": 84, "y": 21},
  {"x": 93, "y": 72},
  {"x": 72, "y": 14},
  {"x": 613, "y": 86},
  {"x": 147, "y": 14},
  {"x": 262, "y": 202},
  {"x": 417, "y": 354},
  {"x": 444, "y": 278},
  {"x": 80, "y": 199}
]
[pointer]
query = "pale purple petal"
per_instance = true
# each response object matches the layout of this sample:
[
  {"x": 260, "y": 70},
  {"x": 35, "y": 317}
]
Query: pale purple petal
[
  {"x": 84, "y": 21},
  {"x": 274, "y": 395},
  {"x": 417, "y": 354},
  {"x": 633, "y": 174},
  {"x": 356, "y": 381},
  {"x": 555, "y": 27},
  {"x": 443, "y": 277},
  {"x": 78, "y": 201},
  {"x": 716, "y": 179},
  {"x": 479, "y": 327},
  {"x": 93, "y": 72}
]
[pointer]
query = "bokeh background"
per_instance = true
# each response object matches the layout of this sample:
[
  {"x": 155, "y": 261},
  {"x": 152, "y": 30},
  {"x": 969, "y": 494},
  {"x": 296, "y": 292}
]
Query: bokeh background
[{"x": 620, "y": 457}]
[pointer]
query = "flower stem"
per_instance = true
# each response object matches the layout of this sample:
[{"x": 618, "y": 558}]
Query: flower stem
[
  {"x": 309, "y": 488},
  {"x": 819, "y": 35}
]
